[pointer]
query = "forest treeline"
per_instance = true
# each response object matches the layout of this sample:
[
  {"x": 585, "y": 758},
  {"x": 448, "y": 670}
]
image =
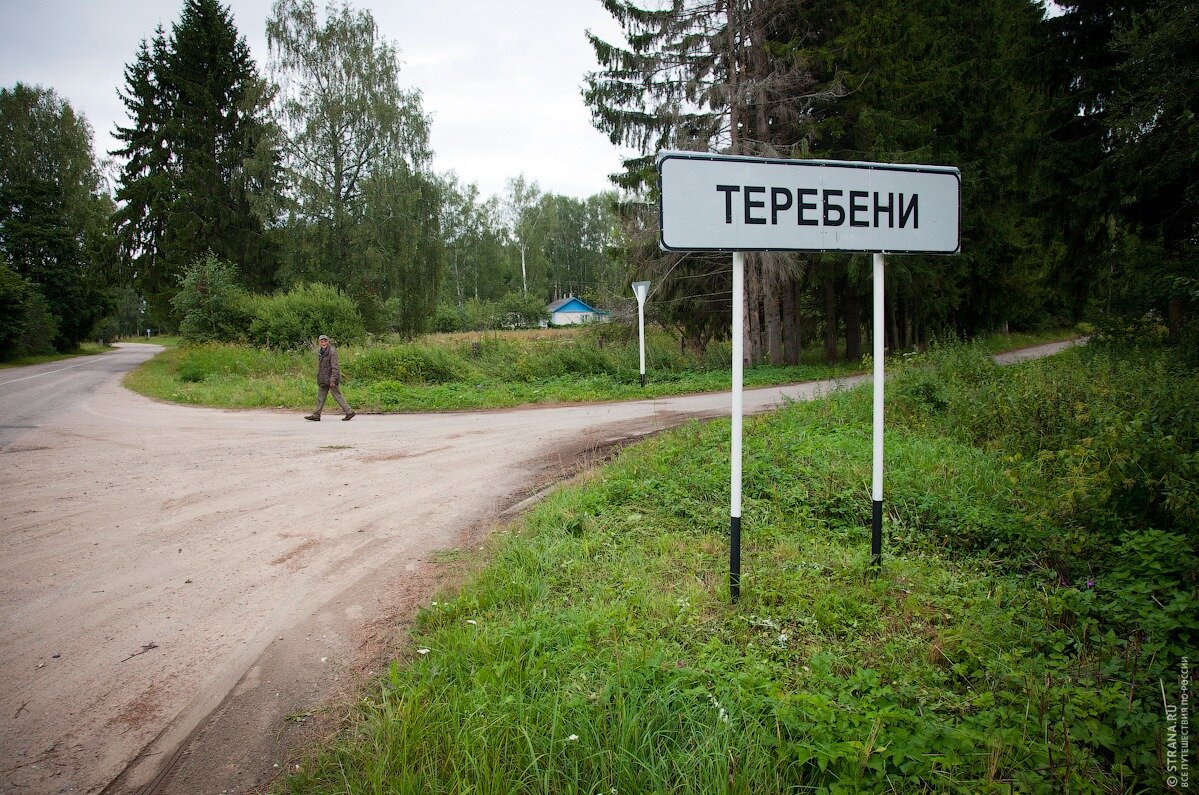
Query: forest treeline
[{"x": 243, "y": 196}]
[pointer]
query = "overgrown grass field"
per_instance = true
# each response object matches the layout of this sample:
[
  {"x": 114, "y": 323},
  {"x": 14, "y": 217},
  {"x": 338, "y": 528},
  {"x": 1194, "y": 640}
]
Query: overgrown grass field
[
  {"x": 457, "y": 371},
  {"x": 1028, "y": 623}
]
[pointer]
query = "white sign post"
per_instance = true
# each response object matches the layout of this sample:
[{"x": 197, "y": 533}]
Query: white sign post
[
  {"x": 641, "y": 290},
  {"x": 737, "y": 204}
]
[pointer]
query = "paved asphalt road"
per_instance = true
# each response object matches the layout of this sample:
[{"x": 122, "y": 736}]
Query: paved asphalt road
[{"x": 32, "y": 396}]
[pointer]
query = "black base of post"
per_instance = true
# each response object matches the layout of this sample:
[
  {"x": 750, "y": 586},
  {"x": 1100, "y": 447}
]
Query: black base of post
[
  {"x": 643, "y": 380},
  {"x": 876, "y": 533},
  {"x": 735, "y": 557}
]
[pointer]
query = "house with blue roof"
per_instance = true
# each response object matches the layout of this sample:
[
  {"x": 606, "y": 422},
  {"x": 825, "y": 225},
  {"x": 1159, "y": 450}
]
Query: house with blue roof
[{"x": 570, "y": 311}]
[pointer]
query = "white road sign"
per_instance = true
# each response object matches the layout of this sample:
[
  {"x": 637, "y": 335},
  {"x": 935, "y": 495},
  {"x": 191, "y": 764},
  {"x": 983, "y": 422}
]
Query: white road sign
[{"x": 725, "y": 203}]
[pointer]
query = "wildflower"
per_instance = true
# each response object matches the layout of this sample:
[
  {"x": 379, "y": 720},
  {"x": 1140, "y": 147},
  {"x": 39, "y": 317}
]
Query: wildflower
[
  {"x": 572, "y": 738},
  {"x": 724, "y": 716},
  {"x": 422, "y": 651},
  {"x": 1090, "y": 583},
  {"x": 472, "y": 622}
]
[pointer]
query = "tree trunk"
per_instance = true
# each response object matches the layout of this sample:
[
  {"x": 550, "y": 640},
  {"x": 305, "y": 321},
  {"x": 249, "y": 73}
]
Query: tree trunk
[
  {"x": 830, "y": 316},
  {"x": 753, "y": 326},
  {"x": 1174, "y": 318},
  {"x": 891, "y": 307},
  {"x": 789, "y": 309},
  {"x": 771, "y": 306},
  {"x": 853, "y": 323}
]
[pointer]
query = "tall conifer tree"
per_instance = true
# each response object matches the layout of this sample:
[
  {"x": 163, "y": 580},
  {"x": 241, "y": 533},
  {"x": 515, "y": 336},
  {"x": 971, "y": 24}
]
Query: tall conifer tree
[
  {"x": 201, "y": 156},
  {"x": 146, "y": 185}
]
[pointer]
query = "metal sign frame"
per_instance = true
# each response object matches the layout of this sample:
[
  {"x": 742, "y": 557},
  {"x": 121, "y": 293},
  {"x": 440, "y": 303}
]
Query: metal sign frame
[{"x": 738, "y": 252}]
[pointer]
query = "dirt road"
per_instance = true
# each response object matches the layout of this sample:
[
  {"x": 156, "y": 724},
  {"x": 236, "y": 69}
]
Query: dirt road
[{"x": 176, "y": 582}]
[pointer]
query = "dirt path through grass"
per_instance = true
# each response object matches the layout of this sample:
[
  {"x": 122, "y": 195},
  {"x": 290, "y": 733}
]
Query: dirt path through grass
[{"x": 181, "y": 587}]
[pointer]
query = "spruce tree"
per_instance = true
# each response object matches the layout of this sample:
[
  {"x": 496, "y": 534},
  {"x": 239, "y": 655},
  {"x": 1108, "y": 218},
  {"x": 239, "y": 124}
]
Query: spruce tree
[
  {"x": 225, "y": 145},
  {"x": 147, "y": 182},
  {"x": 201, "y": 161},
  {"x": 706, "y": 75}
]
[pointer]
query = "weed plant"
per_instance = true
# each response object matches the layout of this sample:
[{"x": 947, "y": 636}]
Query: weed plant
[{"x": 1037, "y": 595}]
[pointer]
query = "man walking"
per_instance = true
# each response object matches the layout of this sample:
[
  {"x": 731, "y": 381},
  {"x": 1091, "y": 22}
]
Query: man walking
[{"x": 328, "y": 376}]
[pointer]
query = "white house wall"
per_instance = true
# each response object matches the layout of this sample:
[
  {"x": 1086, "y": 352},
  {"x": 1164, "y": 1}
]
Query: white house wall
[{"x": 572, "y": 318}]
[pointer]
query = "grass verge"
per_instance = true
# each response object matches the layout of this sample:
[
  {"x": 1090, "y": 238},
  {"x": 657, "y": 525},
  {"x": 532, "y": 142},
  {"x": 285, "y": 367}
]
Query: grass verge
[
  {"x": 85, "y": 349},
  {"x": 447, "y": 372},
  {"x": 1038, "y": 595}
]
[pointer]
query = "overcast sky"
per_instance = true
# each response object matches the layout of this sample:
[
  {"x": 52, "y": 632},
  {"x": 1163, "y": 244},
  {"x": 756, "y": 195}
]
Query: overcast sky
[{"x": 501, "y": 78}]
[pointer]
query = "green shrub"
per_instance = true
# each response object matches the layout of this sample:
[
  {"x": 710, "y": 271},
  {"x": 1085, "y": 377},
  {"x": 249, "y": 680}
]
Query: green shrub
[
  {"x": 479, "y": 315},
  {"x": 300, "y": 315},
  {"x": 13, "y": 290},
  {"x": 211, "y": 302},
  {"x": 27, "y": 325},
  {"x": 448, "y": 319},
  {"x": 519, "y": 310},
  {"x": 410, "y": 364},
  {"x": 39, "y": 329}
]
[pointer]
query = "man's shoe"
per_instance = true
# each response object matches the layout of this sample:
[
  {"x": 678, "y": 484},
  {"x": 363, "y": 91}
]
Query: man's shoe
[
  {"x": 313, "y": 417},
  {"x": 349, "y": 416}
]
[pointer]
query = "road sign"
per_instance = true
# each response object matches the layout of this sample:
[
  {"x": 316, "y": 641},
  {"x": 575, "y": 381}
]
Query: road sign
[
  {"x": 641, "y": 290},
  {"x": 737, "y": 204},
  {"x": 725, "y": 203}
]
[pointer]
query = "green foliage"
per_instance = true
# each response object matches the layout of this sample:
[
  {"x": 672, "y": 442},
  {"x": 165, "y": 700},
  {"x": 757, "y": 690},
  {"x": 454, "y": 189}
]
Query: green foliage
[
  {"x": 410, "y": 364},
  {"x": 39, "y": 330},
  {"x": 14, "y": 292},
  {"x": 300, "y": 315},
  {"x": 1120, "y": 426},
  {"x": 597, "y": 649},
  {"x": 447, "y": 319},
  {"x": 201, "y": 169},
  {"x": 520, "y": 310},
  {"x": 53, "y": 214},
  {"x": 211, "y": 302},
  {"x": 367, "y": 212},
  {"x": 399, "y": 249},
  {"x": 492, "y": 370}
]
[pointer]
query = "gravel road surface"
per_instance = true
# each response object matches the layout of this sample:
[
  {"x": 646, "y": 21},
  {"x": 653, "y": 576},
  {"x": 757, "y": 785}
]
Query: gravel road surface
[{"x": 177, "y": 582}]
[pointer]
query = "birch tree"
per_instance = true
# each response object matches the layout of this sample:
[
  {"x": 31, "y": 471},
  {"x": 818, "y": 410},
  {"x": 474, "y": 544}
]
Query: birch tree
[
  {"x": 357, "y": 161},
  {"x": 341, "y": 105}
]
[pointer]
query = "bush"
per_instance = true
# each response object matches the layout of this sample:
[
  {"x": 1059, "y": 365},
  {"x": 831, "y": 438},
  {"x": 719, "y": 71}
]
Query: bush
[
  {"x": 411, "y": 364},
  {"x": 302, "y": 314},
  {"x": 38, "y": 327},
  {"x": 13, "y": 290},
  {"x": 519, "y": 310},
  {"x": 211, "y": 302},
  {"x": 479, "y": 315},
  {"x": 448, "y": 319}
]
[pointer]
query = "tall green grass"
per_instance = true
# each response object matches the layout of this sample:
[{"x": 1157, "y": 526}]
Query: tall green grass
[
  {"x": 596, "y": 650},
  {"x": 461, "y": 372},
  {"x": 488, "y": 372}
]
